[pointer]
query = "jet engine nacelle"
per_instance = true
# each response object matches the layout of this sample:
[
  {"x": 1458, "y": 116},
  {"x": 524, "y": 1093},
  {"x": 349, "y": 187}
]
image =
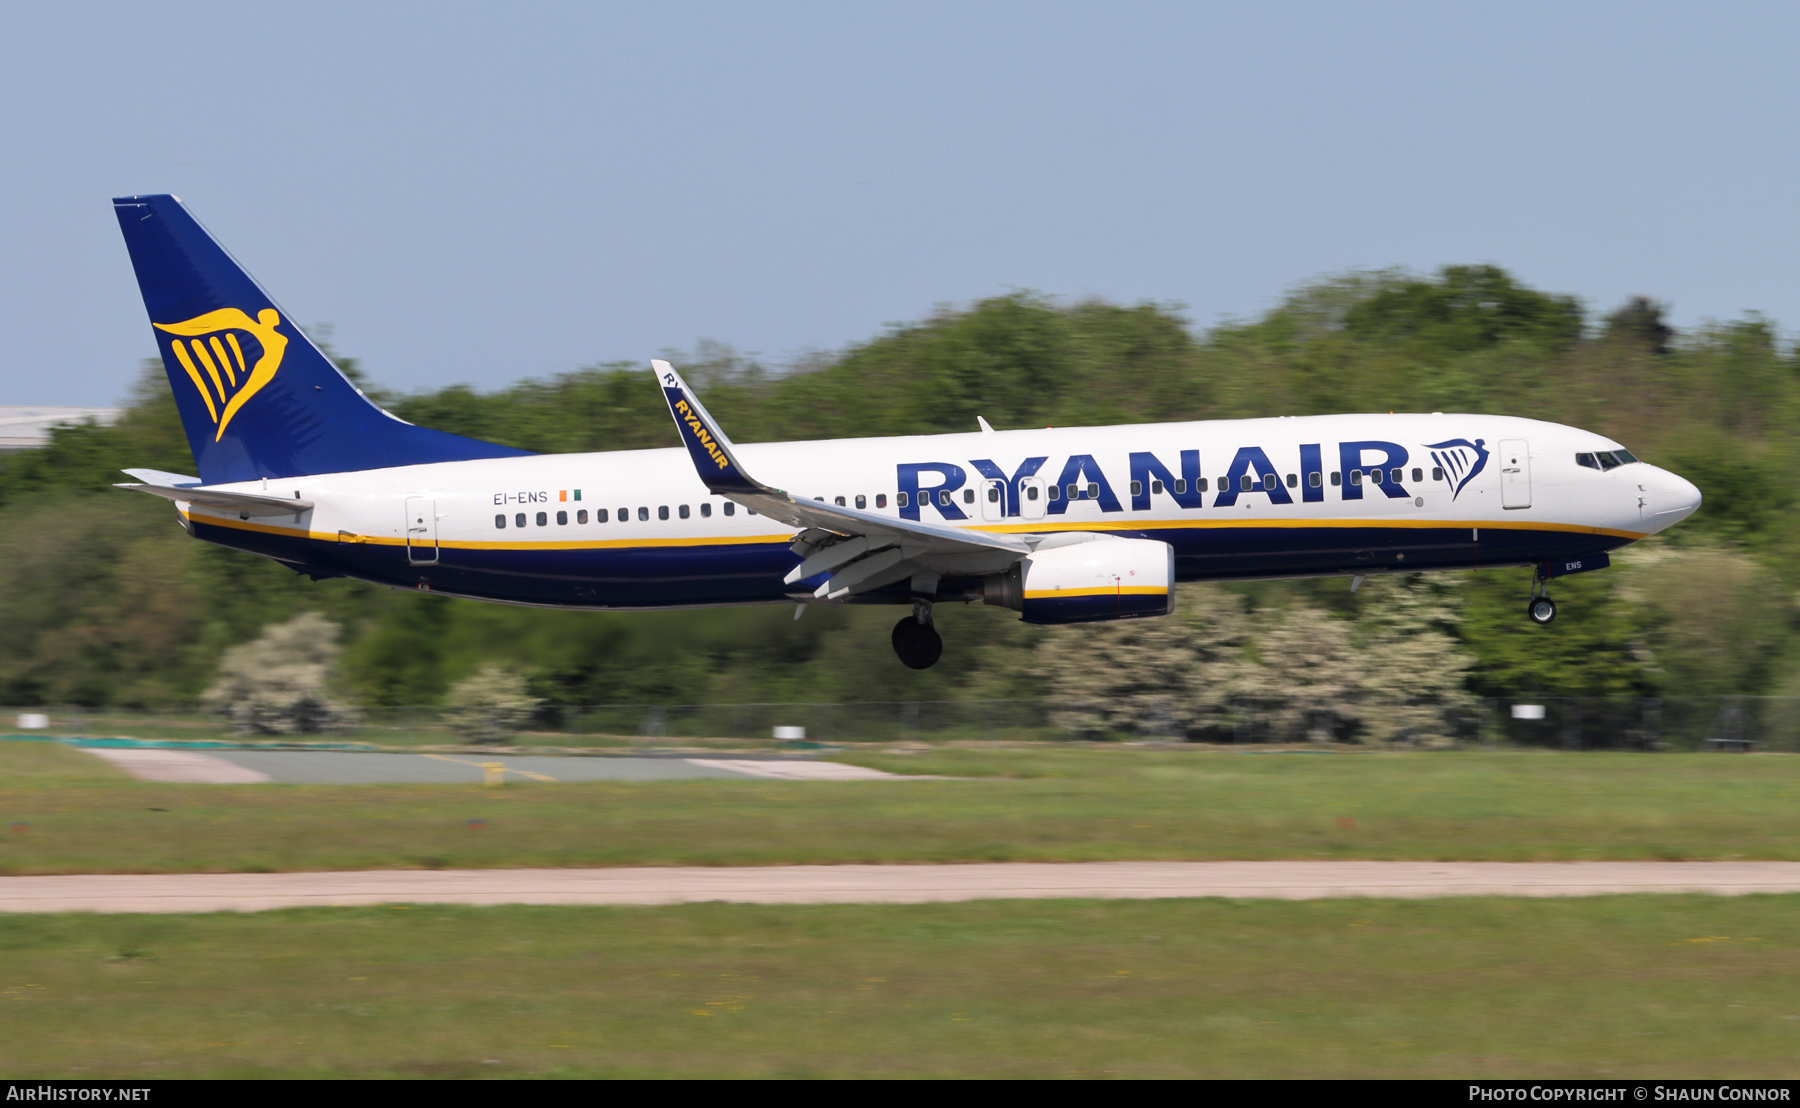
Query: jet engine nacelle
[{"x": 1088, "y": 579}]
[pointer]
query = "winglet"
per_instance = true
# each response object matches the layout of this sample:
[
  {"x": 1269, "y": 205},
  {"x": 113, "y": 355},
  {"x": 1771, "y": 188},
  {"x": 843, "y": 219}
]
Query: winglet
[{"x": 706, "y": 443}]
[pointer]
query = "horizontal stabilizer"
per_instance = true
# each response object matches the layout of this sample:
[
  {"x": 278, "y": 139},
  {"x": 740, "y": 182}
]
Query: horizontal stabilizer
[
  {"x": 240, "y": 503},
  {"x": 163, "y": 477}
]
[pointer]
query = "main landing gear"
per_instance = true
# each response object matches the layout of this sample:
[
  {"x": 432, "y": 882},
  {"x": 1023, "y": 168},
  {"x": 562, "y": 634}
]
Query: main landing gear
[
  {"x": 1540, "y": 608},
  {"x": 916, "y": 641}
]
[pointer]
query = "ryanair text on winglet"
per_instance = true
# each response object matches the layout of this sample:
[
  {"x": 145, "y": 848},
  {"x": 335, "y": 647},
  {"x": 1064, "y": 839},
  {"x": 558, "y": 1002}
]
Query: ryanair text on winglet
[{"x": 700, "y": 432}]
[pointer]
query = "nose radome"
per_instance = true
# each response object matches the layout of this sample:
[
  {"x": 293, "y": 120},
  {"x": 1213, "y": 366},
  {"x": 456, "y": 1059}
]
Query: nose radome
[{"x": 1673, "y": 497}]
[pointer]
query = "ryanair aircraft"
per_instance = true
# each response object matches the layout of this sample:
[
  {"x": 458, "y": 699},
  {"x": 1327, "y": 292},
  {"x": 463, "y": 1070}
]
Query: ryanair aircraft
[{"x": 1065, "y": 525}]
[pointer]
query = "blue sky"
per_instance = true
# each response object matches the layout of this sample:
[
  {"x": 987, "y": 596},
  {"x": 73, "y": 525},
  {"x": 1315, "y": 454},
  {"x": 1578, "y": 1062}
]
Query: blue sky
[{"x": 484, "y": 192}]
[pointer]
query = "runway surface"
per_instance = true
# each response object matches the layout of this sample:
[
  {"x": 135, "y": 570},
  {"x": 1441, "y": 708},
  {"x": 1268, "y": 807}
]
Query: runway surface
[
  {"x": 329, "y": 767},
  {"x": 885, "y": 884}
]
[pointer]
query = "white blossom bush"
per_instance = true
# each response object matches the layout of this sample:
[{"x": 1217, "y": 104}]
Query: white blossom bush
[{"x": 281, "y": 683}]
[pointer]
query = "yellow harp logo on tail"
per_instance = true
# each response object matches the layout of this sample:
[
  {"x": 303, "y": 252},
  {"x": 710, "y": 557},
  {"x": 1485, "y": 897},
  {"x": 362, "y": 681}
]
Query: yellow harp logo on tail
[{"x": 214, "y": 357}]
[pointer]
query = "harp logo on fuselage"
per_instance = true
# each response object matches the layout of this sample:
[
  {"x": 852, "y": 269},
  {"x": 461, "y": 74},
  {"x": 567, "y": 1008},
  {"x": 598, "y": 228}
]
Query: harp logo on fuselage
[
  {"x": 227, "y": 375},
  {"x": 1461, "y": 459}
]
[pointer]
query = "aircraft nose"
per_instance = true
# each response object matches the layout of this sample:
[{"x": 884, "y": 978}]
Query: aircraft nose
[{"x": 1673, "y": 498}]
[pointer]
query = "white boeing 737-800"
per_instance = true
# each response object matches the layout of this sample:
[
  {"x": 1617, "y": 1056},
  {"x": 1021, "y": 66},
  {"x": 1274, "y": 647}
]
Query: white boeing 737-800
[{"x": 1063, "y": 525}]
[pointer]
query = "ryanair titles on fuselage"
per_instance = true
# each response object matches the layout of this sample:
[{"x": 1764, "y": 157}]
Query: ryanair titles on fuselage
[{"x": 1363, "y": 464}]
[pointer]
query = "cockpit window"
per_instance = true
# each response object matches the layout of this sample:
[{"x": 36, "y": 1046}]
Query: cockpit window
[{"x": 1605, "y": 459}]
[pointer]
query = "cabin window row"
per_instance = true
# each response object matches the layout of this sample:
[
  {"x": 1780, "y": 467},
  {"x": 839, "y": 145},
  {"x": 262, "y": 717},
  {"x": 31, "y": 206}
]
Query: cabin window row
[
  {"x": 1269, "y": 481},
  {"x": 603, "y": 515},
  {"x": 1091, "y": 491}
]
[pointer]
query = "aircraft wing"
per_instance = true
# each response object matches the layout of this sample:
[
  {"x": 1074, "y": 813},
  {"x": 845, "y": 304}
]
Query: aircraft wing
[
  {"x": 188, "y": 490},
  {"x": 862, "y": 550}
]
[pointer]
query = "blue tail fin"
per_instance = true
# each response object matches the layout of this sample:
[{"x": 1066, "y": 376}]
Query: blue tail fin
[{"x": 256, "y": 397}]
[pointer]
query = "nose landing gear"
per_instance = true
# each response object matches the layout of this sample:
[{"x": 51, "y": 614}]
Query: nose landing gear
[
  {"x": 916, "y": 641},
  {"x": 1540, "y": 608}
]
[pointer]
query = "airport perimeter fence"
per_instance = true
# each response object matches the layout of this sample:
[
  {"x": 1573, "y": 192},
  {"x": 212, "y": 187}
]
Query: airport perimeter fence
[{"x": 1730, "y": 723}]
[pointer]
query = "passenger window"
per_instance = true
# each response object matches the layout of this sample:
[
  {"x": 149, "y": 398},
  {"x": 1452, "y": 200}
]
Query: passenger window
[
  {"x": 1270, "y": 481},
  {"x": 1245, "y": 481},
  {"x": 1137, "y": 488},
  {"x": 562, "y": 519},
  {"x": 968, "y": 496},
  {"x": 599, "y": 515},
  {"x": 1181, "y": 484},
  {"x": 643, "y": 515},
  {"x": 993, "y": 494},
  {"x": 943, "y": 498},
  {"x": 1336, "y": 478},
  {"x": 1155, "y": 487},
  {"x": 901, "y": 499},
  {"x": 543, "y": 519},
  {"x": 1356, "y": 477},
  {"x": 861, "y": 502},
  {"x": 662, "y": 511},
  {"x": 1293, "y": 481},
  {"x": 706, "y": 511},
  {"x": 1031, "y": 492},
  {"x": 840, "y": 502},
  {"x": 730, "y": 508},
  {"x": 1055, "y": 493},
  {"x": 500, "y": 521},
  {"x": 1073, "y": 492},
  {"x": 1586, "y": 460},
  {"x": 682, "y": 511},
  {"x": 1396, "y": 475},
  {"x": 881, "y": 500},
  {"x": 1437, "y": 473},
  {"x": 519, "y": 520},
  {"x": 749, "y": 511},
  {"x": 1093, "y": 492},
  {"x": 581, "y": 516},
  {"x": 1315, "y": 479},
  {"x": 1418, "y": 475}
]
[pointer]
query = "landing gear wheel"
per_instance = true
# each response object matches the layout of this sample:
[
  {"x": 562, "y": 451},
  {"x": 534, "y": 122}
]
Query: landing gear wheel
[
  {"x": 1542, "y": 610},
  {"x": 917, "y": 644}
]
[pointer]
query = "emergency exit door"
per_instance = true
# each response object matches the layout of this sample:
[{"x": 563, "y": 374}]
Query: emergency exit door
[
  {"x": 1034, "y": 497},
  {"x": 1515, "y": 473},
  {"x": 421, "y": 531},
  {"x": 993, "y": 501}
]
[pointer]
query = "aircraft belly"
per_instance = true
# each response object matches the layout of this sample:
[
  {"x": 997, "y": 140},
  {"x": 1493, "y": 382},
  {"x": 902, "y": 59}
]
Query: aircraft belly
[
  {"x": 1226, "y": 553},
  {"x": 608, "y": 577}
]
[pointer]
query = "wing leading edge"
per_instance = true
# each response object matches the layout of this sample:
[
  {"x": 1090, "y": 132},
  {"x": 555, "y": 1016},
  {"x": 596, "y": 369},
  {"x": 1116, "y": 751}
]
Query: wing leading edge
[{"x": 861, "y": 550}]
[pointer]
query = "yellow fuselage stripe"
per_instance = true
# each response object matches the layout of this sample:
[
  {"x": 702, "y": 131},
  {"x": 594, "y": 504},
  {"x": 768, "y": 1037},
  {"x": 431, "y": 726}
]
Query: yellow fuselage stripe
[{"x": 1116, "y": 590}]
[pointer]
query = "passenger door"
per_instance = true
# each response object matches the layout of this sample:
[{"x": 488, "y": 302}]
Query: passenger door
[
  {"x": 1515, "y": 473},
  {"x": 421, "y": 531}
]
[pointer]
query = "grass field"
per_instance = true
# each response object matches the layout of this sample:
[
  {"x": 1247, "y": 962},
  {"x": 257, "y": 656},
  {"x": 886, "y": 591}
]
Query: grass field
[
  {"x": 1035, "y": 804},
  {"x": 1604, "y": 987}
]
